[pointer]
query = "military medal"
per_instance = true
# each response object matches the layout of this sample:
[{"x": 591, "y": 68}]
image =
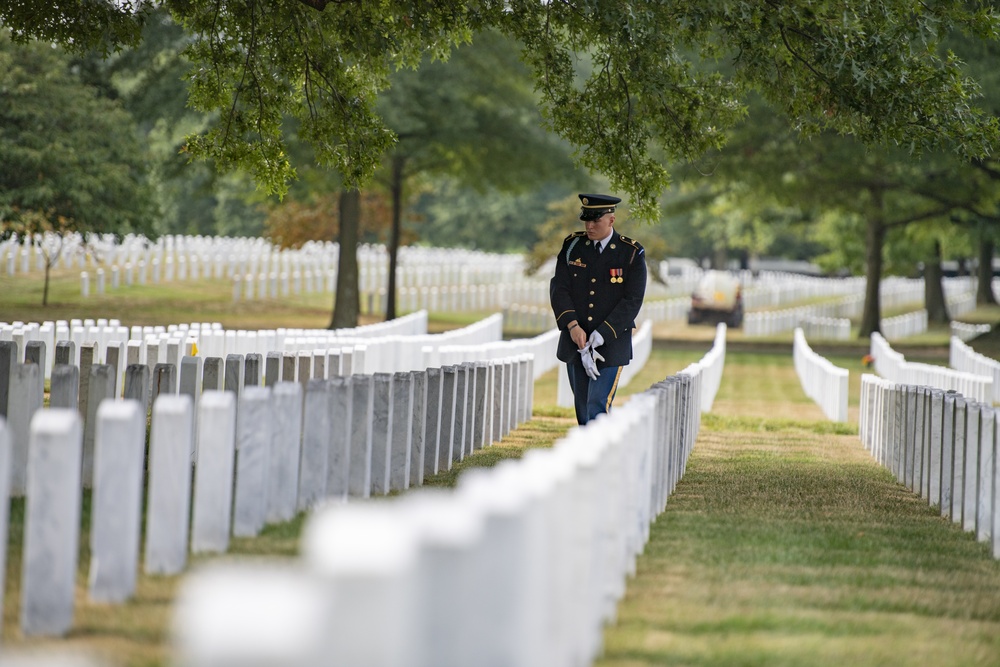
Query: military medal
[{"x": 616, "y": 276}]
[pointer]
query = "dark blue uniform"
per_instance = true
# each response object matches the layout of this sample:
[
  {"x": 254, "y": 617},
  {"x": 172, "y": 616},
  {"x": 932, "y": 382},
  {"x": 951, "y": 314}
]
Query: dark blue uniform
[{"x": 602, "y": 292}]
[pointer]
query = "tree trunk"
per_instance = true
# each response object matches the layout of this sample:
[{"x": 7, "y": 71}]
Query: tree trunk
[
  {"x": 984, "y": 289},
  {"x": 872, "y": 313},
  {"x": 937, "y": 309},
  {"x": 398, "y": 164},
  {"x": 346, "y": 305},
  {"x": 720, "y": 258},
  {"x": 45, "y": 290}
]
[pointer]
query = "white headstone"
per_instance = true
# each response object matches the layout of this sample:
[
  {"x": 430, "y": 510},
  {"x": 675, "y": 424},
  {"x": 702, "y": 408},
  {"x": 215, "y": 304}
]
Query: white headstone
[
  {"x": 365, "y": 555},
  {"x": 5, "y": 461},
  {"x": 253, "y": 442},
  {"x": 213, "y": 490},
  {"x": 119, "y": 453},
  {"x": 316, "y": 438},
  {"x": 52, "y": 522},
  {"x": 286, "y": 445},
  {"x": 168, "y": 504}
]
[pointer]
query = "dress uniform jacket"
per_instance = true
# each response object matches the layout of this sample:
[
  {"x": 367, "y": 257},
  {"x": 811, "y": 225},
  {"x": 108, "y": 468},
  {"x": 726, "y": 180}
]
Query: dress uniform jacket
[{"x": 601, "y": 291}]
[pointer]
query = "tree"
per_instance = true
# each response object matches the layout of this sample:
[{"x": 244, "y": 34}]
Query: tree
[
  {"x": 71, "y": 160},
  {"x": 193, "y": 197},
  {"x": 347, "y": 301},
  {"x": 474, "y": 119},
  {"x": 866, "y": 191},
  {"x": 871, "y": 68}
]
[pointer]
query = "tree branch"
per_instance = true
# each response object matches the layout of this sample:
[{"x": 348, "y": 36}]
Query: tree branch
[{"x": 320, "y": 5}]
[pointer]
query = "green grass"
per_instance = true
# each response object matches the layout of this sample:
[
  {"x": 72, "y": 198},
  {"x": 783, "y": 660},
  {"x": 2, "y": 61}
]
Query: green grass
[{"x": 785, "y": 544}]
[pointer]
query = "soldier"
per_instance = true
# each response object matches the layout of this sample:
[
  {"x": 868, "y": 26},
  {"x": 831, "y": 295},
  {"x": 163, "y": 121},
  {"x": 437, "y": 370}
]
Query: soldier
[{"x": 596, "y": 293}]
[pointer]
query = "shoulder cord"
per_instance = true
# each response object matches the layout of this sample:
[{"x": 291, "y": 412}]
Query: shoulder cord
[{"x": 570, "y": 248}]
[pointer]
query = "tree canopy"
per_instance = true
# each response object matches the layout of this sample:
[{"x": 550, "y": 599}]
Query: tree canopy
[
  {"x": 625, "y": 82},
  {"x": 70, "y": 158}
]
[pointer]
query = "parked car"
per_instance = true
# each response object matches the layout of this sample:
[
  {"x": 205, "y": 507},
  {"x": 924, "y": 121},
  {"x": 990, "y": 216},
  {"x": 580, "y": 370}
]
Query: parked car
[{"x": 717, "y": 298}]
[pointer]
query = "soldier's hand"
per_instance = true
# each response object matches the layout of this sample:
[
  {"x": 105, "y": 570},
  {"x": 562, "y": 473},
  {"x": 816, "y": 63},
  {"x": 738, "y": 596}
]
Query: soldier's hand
[{"x": 579, "y": 336}]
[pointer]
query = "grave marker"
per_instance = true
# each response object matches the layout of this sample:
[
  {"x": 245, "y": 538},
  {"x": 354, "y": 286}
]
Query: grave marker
[
  {"x": 137, "y": 385},
  {"x": 432, "y": 420},
  {"x": 213, "y": 489},
  {"x": 212, "y": 374},
  {"x": 446, "y": 435},
  {"x": 119, "y": 453},
  {"x": 234, "y": 373},
  {"x": 251, "y": 370},
  {"x": 51, "y": 523},
  {"x": 317, "y": 430},
  {"x": 253, "y": 443},
  {"x": 286, "y": 444},
  {"x": 5, "y": 472},
  {"x": 65, "y": 353},
  {"x": 401, "y": 431},
  {"x": 25, "y": 401},
  {"x": 169, "y": 493},
  {"x": 101, "y": 385},
  {"x": 381, "y": 429},
  {"x": 418, "y": 427},
  {"x": 65, "y": 387},
  {"x": 360, "y": 476},
  {"x": 341, "y": 429}
]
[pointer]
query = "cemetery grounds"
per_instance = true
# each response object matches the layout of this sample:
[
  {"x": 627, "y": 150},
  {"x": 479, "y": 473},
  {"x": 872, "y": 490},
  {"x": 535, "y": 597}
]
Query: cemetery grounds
[{"x": 784, "y": 543}]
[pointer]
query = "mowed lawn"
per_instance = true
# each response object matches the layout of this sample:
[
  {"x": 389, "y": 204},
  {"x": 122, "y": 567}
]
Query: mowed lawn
[{"x": 785, "y": 544}]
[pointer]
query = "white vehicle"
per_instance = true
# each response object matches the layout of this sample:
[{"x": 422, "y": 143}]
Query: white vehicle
[{"x": 717, "y": 298}]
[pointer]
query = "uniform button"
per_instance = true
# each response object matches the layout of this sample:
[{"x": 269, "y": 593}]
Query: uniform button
[
  {"x": 591, "y": 305},
  {"x": 593, "y": 280},
  {"x": 590, "y": 319},
  {"x": 591, "y": 292}
]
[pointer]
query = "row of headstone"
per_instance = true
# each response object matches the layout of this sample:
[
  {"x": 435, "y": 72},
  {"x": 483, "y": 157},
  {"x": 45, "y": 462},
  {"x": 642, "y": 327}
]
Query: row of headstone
[
  {"x": 941, "y": 445},
  {"x": 894, "y": 292},
  {"x": 966, "y": 331},
  {"x": 542, "y": 347},
  {"x": 963, "y": 358},
  {"x": 893, "y": 366},
  {"x": 195, "y": 257},
  {"x": 823, "y": 382},
  {"x": 165, "y": 344},
  {"x": 259, "y": 456},
  {"x": 770, "y": 322},
  {"x": 777, "y": 290},
  {"x": 521, "y": 564},
  {"x": 276, "y": 285},
  {"x": 86, "y": 385},
  {"x": 708, "y": 371},
  {"x": 826, "y": 328},
  {"x": 904, "y": 326}
]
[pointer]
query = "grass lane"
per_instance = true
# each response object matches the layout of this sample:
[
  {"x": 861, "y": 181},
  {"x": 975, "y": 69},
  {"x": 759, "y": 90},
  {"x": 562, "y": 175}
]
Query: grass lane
[{"x": 785, "y": 544}]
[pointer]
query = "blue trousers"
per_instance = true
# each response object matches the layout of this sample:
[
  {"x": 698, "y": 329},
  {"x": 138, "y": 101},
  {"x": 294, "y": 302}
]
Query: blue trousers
[{"x": 592, "y": 397}]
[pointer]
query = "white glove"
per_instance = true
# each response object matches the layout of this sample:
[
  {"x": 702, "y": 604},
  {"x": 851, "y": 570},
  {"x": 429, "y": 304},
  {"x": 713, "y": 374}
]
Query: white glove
[
  {"x": 596, "y": 340},
  {"x": 596, "y": 355},
  {"x": 589, "y": 365}
]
